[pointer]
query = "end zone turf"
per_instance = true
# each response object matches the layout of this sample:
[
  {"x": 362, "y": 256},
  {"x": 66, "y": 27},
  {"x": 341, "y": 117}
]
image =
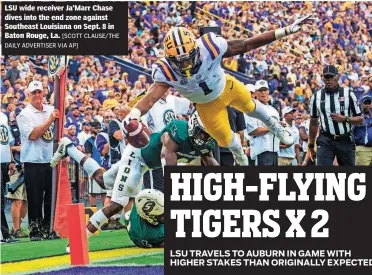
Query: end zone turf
[{"x": 107, "y": 250}]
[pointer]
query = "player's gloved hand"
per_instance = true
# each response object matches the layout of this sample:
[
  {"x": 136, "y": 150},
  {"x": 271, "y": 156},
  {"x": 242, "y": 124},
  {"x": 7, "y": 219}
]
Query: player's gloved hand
[
  {"x": 296, "y": 26},
  {"x": 135, "y": 114}
]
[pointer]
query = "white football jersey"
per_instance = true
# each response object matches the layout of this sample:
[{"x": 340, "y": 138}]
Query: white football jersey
[
  {"x": 159, "y": 116},
  {"x": 210, "y": 80},
  {"x": 180, "y": 105}
]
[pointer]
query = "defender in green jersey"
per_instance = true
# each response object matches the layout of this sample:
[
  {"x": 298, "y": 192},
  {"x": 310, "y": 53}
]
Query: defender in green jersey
[{"x": 179, "y": 141}]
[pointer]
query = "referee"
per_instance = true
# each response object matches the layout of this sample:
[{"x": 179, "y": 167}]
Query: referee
[
  {"x": 337, "y": 109},
  {"x": 36, "y": 127}
]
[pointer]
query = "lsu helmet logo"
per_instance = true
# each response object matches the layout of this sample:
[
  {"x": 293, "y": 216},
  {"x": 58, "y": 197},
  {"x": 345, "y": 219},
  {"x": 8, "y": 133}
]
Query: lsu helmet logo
[
  {"x": 4, "y": 135},
  {"x": 48, "y": 135}
]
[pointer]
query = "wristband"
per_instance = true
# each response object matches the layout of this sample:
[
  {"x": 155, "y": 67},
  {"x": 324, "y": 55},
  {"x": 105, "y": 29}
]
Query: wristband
[
  {"x": 311, "y": 146},
  {"x": 280, "y": 33}
]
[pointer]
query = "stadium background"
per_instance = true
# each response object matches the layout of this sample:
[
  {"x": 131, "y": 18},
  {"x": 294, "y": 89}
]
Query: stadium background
[{"x": 292, "y": 67}]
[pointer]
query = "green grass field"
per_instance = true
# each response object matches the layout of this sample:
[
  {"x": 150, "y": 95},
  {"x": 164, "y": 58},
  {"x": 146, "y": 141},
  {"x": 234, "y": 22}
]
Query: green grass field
[
  {"x": 27, "y": 250},
  {"x": 114, "y": 249}
]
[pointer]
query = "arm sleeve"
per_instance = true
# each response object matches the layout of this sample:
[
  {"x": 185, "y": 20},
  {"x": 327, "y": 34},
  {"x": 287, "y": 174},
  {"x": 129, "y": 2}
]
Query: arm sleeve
[
  {"x": 251, "y": 125},
  {"x": 25, "y": 125},
  {"x": 354, "y": 105},
  {"x": 80, "y": 138},
  {"x": 314, "y": 112},
  {"x": 297, "y": 139},
  {"x": 100, "y": 143},
  {"x": 113, "y": 127}
]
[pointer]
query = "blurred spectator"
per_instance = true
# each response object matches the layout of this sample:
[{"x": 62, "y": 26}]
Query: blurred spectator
[
  {"x": 7, "y": 165},
  {"x": 111, "y": 101},
  {"x": 289, "y": 156},
  {"x": 13, "y": 73},
  {"x": 117, "y": 142},
  {"x": 74, "y": 119},
  {"x": 264, "y": 146},
  {"x": 91, "y": 150},
  {"x": 83, "y": 137},
  {"x": 363, "y": 134},
  {"x": 19, "y": 198}
]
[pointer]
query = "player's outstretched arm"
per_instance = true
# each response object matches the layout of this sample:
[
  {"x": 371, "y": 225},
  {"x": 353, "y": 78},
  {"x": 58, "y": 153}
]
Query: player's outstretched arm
[
  {"x": 241, "y": 46},
  {"x": 155, "y": 92},
  {"x": 209, "y": 160},
  {"x": 169, "y": 150}
]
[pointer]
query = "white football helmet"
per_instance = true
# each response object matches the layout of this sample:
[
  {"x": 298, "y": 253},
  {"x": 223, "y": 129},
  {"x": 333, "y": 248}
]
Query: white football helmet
[
  {"x": 150, "y": 205},
  {"x": 197, "y": 133}
]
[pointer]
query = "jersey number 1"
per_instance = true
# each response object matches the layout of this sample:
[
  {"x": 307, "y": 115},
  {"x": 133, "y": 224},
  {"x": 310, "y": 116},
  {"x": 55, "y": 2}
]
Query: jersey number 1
[{"x": 205, "y": 88}]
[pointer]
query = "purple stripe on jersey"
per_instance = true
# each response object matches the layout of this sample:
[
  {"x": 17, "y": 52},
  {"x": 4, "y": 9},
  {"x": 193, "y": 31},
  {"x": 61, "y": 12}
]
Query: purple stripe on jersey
[
  {"x": 170, "y": 70},
  {"x": 163, "y": 71},
  {"x": 208, "y": 48},
  {"x": 213, "y": 44}
]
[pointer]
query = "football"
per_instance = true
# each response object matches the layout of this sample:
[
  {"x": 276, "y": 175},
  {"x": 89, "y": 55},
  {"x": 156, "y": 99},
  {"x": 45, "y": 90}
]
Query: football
[{"x": 138, "y": 135}]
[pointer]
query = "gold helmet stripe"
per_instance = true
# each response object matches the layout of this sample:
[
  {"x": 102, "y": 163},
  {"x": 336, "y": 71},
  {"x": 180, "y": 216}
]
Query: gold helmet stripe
[
  {"x": 177, "y": 37},
  {"x": 180, "y": 35}
]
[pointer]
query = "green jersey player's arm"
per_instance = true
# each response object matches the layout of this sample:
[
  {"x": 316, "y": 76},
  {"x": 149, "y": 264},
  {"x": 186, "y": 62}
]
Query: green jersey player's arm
[
  {"x": 209, "y": 160},
  {"x": 169, "y": 150},
  {"x": 154, "y": 93}
]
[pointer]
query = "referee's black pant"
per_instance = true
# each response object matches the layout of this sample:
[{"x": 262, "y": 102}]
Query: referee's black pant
[
  {"x": 4, "y": 180},
  {"x": 38, "y": 181},
  {"x": 328, "y": 148}
]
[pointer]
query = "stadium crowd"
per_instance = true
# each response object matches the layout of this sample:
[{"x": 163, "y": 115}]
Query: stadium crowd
[{"x": 100, "y": 91}]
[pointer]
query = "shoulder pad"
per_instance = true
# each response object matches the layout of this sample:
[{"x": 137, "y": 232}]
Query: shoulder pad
[{"x": 162, "y": 72}]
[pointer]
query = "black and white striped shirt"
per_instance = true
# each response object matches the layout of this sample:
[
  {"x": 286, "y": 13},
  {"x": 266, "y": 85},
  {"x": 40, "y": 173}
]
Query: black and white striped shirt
[{"x": 343, "y": 101}]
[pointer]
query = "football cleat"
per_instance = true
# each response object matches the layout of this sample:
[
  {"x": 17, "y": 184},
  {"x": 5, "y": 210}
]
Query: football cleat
[
  {"x": 239, "y": 155},
  {"x": 61, "y": 152},
  {"x": 280, "y": 132}
]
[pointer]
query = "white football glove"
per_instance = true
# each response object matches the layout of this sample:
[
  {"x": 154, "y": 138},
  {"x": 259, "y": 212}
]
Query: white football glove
[
  {"x": 296, "y": 26},
  {"x": 134, "y": 114}
]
